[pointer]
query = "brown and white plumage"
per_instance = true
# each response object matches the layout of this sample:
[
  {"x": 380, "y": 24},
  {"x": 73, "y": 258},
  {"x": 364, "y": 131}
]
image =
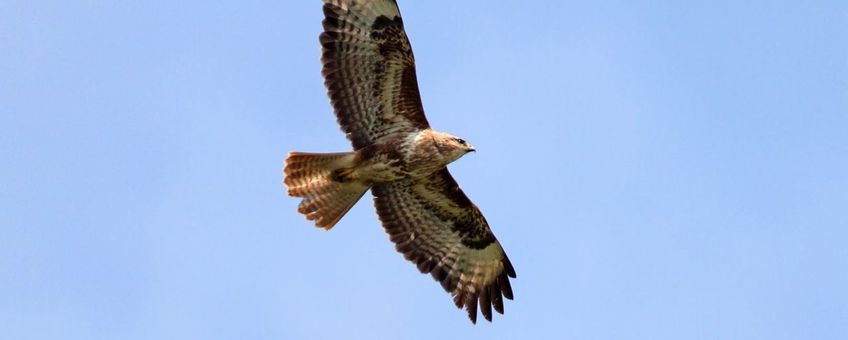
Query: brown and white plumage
[
  {"x": 436, "y": 226},
  {"x": 369, "y": 72}
]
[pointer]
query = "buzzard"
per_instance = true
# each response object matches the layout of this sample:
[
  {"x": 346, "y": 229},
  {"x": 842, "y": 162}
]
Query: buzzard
[{"x": 369, "y": 72}]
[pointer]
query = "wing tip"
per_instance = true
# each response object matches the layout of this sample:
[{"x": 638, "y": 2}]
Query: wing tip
[
  {"x": 483, "y": 298},
  {"x": 508, "y": 268}
]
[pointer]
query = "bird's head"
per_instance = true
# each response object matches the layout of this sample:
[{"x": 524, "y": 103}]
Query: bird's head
[{"x": 451, "y": 147}]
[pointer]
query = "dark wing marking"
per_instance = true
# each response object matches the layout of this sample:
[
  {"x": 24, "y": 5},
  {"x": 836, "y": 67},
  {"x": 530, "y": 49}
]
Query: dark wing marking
[
  {"x": 439, "y": 229},
  {"x": 369, "y": 70}
]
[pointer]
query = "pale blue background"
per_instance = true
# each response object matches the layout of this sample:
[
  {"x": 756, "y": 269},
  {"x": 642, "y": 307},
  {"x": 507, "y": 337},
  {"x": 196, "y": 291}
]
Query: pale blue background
[{"x": 655, "y": 170}]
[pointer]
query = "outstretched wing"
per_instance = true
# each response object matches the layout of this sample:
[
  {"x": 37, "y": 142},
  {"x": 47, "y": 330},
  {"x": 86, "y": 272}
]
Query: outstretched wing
[
  {"x": 439, "y": 229},
  {"x": 369, "y": 70}
]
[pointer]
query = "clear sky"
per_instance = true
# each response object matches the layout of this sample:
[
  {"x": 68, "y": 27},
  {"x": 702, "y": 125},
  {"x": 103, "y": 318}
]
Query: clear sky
[{"x": 654, "y": 169}]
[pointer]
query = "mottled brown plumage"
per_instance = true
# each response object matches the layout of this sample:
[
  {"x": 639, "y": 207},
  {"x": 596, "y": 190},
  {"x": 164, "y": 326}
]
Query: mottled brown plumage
[{"x": 369, "y": 72}]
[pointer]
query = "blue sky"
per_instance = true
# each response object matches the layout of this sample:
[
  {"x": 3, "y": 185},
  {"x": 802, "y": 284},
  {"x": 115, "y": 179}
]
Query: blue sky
[{"x": 655, "y": 170}]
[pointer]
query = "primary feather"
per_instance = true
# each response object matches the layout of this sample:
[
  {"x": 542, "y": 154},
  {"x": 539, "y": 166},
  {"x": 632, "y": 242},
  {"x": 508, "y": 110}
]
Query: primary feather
[{"x": 369, "y": 72}]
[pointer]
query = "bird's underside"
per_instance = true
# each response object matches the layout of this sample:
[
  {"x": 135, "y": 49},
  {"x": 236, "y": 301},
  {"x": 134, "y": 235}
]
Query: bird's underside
[{"x": 369, "y": 71}]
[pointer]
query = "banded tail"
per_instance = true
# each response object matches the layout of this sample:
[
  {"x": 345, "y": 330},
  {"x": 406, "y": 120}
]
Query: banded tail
[{"x": 321, "y": 179}]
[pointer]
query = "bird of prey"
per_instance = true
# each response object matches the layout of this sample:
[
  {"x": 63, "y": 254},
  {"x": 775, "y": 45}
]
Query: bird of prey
[{"x": 369, "y": 72}]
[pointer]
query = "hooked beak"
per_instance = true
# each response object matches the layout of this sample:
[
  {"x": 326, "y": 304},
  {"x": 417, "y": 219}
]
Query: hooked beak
[{"x": 471, "y": 149}]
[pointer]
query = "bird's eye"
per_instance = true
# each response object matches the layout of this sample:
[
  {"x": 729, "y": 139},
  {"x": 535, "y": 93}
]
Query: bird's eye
[{"x": 460, "y": 141}]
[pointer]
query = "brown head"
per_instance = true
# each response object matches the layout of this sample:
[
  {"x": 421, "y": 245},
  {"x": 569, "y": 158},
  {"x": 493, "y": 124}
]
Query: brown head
[{"x": 451, "y": 147}]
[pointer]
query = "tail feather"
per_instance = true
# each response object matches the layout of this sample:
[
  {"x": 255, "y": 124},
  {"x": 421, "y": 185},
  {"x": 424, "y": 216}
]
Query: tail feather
[{"x": 319, "y": 179}]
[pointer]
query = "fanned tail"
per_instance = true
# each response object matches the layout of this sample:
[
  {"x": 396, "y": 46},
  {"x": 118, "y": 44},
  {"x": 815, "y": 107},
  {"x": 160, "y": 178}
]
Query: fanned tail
[{"x": 322, "y": 180}]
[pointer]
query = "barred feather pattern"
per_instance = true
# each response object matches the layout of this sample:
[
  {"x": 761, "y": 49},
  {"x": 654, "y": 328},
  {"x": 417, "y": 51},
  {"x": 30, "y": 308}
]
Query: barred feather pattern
[
  {"x": 326, "y": 199},
  {"x": 434, "y": 225},
  {"x": 369, "y": 70}
]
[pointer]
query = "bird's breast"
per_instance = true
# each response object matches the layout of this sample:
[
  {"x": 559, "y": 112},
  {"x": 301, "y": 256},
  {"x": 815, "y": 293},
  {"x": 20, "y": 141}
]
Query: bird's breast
[{"x": 403, "y": 157}]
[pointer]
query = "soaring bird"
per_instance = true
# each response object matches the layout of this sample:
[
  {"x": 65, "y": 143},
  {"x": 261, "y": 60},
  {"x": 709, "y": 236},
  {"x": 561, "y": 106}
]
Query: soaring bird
[{"x": 369, "y": 72}]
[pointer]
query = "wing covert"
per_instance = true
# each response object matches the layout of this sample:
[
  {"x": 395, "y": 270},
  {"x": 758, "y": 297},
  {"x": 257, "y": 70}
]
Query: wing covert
[
  {"x": 369, "y": 70},
  {"x": 434, "y": 225}
]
